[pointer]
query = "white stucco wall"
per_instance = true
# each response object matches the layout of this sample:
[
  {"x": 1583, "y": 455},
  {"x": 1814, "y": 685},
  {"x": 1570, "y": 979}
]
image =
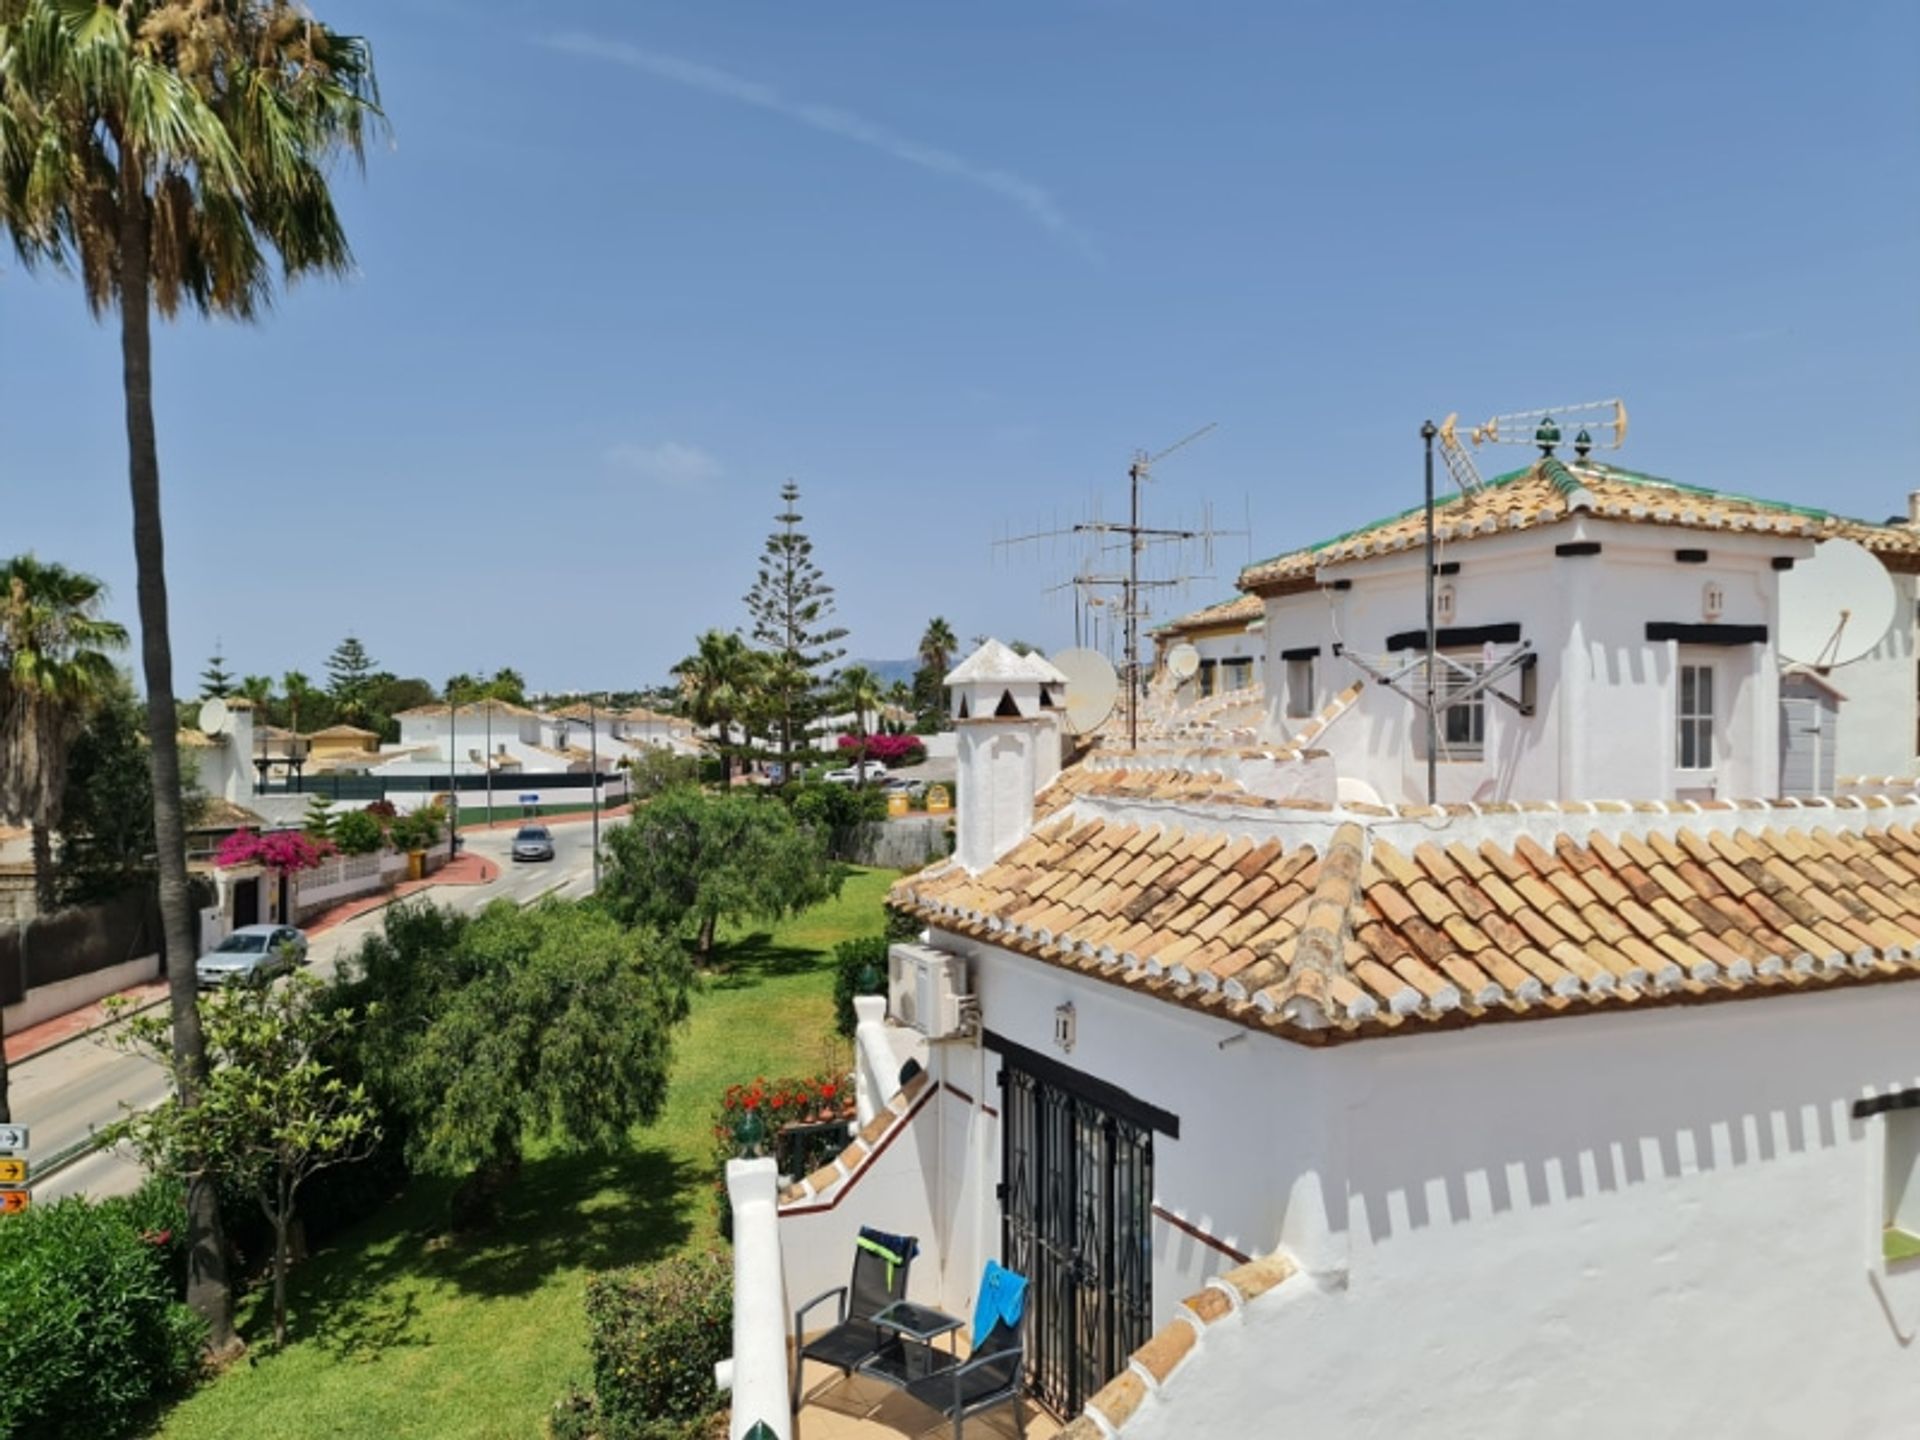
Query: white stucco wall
[
  {"x": 1653, "y": 1224},
  {"x": 1497, "y": 1225},
  {"x": 1604, "y": 718}
]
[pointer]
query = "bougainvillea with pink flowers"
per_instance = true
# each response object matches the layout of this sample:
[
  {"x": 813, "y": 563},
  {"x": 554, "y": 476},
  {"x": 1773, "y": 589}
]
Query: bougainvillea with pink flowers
[
  {"x": 887, "y": 749},
  {"x": 285, "y": 852}
]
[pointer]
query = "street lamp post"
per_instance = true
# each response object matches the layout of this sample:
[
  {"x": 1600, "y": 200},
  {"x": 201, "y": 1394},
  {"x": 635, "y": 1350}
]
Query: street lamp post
[
  {"x": 593, "y": 749},
  {"x": 453, "y": 773}
]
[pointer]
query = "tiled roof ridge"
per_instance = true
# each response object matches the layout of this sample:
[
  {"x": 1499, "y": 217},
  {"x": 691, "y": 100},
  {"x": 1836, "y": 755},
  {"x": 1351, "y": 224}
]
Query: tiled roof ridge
[
  {"x": 1151, "y": 1369},
  {"x": 1558, "y": 490},
  {"x": 1307, "y": 997},
  {"x": 1219, "y": 613},
  {"x": 1327, "y": 714}
]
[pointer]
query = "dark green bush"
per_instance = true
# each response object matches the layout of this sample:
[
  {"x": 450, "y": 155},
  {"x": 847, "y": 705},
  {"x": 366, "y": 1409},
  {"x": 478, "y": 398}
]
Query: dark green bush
[
  {"x": 656, "y": 1332},
  {"x": 92, "y": 1330},
  {"x": 901, "y": 925},
  {"x": 358, "y": 833},
  {"x": 836, "y": 811},
  {"x": 850, "y": 958}
]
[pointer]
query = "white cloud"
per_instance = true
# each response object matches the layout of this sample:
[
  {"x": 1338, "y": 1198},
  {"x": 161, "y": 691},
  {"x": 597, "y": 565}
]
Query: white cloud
[
  {"x": 1019, "y": 191},
  {"x": 685, "y": 467}
]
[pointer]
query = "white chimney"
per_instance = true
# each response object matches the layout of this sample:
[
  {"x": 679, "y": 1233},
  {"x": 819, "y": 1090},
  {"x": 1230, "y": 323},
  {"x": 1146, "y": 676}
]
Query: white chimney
[
  {"x": 1913, "y": 507},
  {"x": 1007, "y": 747}
]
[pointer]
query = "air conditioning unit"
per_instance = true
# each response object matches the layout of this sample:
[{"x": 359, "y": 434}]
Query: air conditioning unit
[{"x": 927, "y": 990}]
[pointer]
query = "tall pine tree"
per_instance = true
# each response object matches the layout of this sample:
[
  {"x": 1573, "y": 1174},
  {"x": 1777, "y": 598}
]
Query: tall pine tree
[
  {"x": 350, "y": 672},
  {"x": 216, "y": 682},
  {"x": 792, "y": 609}
]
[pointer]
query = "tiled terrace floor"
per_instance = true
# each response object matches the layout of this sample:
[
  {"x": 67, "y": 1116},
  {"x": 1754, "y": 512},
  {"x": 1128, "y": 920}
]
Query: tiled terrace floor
[{"x": 864, "y": 1409}]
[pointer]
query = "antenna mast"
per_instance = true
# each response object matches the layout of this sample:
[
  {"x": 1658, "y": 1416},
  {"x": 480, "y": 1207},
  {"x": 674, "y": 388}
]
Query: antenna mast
[{"x": 1111, "y": 535}]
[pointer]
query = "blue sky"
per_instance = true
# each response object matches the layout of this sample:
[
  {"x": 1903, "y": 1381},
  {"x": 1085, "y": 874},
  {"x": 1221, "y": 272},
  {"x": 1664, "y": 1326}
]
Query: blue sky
[{"x": 627, "y": 267}]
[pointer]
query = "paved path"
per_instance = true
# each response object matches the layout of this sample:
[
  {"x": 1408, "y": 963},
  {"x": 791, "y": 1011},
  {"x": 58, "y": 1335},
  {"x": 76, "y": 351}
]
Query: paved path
[{"x": 68, "y": 1091}]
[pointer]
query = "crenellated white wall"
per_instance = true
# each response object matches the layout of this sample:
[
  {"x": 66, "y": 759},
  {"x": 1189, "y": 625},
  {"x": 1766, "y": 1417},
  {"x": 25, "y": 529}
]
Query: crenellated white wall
[{"x": 1662, "y": 1223}]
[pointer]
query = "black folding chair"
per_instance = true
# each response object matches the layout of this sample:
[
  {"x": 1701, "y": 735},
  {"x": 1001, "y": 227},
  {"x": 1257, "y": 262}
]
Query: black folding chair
[
  {"x": 991, "y": 1377},
  {"x": 876, "y": 1283}
]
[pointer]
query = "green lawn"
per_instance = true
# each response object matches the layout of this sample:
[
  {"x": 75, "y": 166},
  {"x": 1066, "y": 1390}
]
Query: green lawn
[{"x": 400, "y": 1333}]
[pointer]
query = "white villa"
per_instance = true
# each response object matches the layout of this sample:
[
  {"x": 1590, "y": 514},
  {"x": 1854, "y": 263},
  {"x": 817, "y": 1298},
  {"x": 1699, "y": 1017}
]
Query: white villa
[{"x": 1310, "y": 1108}]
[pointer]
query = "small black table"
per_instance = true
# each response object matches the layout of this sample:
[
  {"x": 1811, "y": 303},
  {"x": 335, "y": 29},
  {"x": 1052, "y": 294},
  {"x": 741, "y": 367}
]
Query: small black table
[{"x": 911, "y": 1356}]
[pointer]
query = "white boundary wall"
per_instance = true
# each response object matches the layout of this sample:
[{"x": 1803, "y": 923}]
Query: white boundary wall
[{"x": 1497, "y": 1224}]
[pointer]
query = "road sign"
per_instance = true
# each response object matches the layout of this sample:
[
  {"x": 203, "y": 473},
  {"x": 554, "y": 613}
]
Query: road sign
[
  {"x": 13, "y": 1137},
  {"x": 12, "y": 1202},
  {"x": 529, "y": 799},
  {"x": 13, "y": 1172}
]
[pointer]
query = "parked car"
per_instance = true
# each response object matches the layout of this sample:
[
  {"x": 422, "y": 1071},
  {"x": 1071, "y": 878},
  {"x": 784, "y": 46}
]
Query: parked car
[
  {"x": 534, "y": 842},
  {"x": 851, "y": 775},
  {"x": 250, "y": 955}
]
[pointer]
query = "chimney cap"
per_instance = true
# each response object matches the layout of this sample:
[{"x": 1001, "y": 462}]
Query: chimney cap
[{"x": 996, "y": 664}]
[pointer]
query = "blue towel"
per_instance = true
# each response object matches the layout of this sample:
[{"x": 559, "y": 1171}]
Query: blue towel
[{"x": 1003, "y": 1296}]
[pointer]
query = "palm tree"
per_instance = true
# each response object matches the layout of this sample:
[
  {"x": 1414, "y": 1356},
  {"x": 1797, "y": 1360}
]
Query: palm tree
[
  {"x": 937, "y": 646},
  {"x": 858, "y": 688},
  {"x": 719, "y": 681},
  {"x": 53, "y": 671},
  {"x": 300, "y": 694},
  {"x": 164, "y": 150},
  {"x": 54, "y": 668}
]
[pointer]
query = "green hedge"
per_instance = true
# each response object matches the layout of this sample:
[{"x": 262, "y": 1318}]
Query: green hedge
[
  {"x": 656, "y": 1332},
  {"x": 92, "y": 1329},
  {"x": 850, "y": 958}
]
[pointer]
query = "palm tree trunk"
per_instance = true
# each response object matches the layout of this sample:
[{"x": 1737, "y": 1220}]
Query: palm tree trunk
[
  {"x": 209, "y": 1291},
  {"x": 43, "y": 897}
]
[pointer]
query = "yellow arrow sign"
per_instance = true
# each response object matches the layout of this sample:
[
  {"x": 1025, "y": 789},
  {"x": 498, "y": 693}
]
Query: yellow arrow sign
[{"x": 13, "y": 1172}]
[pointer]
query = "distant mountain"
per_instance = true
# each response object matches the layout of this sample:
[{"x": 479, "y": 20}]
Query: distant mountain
[{"x": 888, "y": 670}]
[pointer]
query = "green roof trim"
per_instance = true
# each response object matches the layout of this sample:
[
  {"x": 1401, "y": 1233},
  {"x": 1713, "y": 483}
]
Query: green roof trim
[{"x": 1567, "y": 481}]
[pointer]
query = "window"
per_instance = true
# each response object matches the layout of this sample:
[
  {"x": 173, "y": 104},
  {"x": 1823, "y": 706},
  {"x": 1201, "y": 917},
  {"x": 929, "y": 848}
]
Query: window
[
  {"x": 1208, "y": 671},
  {"x": 1900, "y": 1232},
  {"x": 1694, "y": 716},
  {"x": 1236, "y": 674},
  {"x": 1300, "y": 688}
]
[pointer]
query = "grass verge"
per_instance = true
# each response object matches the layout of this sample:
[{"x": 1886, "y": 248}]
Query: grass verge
[{"x": 402, "y": 1334}]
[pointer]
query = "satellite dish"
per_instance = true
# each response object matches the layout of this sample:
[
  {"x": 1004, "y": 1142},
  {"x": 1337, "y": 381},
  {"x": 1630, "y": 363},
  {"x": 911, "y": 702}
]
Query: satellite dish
[
  {"x": 1835, "y": 607},
  {"x": 1092, "y": 687},
  {"x": 1183, "y": 662},
  {"x": 215, "y": 718}
]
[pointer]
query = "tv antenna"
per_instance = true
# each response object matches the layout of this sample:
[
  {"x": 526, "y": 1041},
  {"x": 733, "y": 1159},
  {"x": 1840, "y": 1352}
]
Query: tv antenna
[
  {"x": 1607, "y": 418},
  {"x": 1108, "y": 537}
]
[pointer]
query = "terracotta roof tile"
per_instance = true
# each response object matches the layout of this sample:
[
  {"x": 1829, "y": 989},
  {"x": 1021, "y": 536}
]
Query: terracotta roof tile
[{"x": 1355, "y": 936}]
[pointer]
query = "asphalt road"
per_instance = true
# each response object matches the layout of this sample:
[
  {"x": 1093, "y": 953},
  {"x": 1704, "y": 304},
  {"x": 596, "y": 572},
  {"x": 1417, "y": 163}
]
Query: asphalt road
[{"x": 68, "y": 1093}]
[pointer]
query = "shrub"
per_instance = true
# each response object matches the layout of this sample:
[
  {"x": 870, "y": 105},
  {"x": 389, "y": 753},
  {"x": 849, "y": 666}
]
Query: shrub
[
  {"x": 851, "y": 958},
  {"x": 358, "y": 833},
  {"x": 656, "y": 1332},
  {"x": 890, "y": 750},
  {"x": 92, "y": 1330},
  {"x": 656, "y": 770},
  {"x": 836, "y": 812},
  {"x": 416, "y": 830}
]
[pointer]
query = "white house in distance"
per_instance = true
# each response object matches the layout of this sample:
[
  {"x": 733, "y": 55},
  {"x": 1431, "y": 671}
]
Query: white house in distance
[
  {"x": 1325, "y": 1116},
  {"x": 1229, "y": 643}
]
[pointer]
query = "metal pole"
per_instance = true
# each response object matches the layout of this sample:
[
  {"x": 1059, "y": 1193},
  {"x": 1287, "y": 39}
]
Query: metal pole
[
  {"x": 1427, "y": 432},
  {"x": 1133, "y": 594},
  {"x": 453, "y": 773},
  {"x": 489, "y": 759},
  {"x": 593, "y": 749}
]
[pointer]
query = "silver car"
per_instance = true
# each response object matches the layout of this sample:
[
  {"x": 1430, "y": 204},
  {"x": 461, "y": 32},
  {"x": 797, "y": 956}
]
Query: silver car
[
  {"x": 250, "y": 954},
  {"x": 534, "y": 842}
]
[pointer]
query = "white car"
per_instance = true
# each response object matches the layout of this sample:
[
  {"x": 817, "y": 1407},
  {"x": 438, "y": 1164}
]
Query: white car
[
  {"x": 251, "y": 953},
  {"x": 851, "y": 775}
]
